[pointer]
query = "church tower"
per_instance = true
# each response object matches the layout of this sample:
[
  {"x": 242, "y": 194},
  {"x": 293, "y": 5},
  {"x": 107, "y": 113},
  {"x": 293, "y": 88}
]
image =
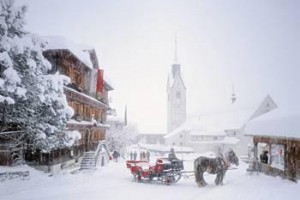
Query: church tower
[{"x": 176, "y": 92}]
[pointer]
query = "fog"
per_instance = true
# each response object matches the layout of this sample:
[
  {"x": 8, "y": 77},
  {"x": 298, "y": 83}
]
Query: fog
[{"x": 254, "y": 46}]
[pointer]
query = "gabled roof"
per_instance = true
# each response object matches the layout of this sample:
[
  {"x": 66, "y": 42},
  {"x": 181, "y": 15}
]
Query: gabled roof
[
  {"x": 213, "y": 124},
  {"x": 171, "y": 80},
  {"x": 278, "y": 123},
  {"x": 267, "y": 105},
  {"x": 60, "y": 43},
  {"x": 108, "y": 83},
  {"x": 232, "y": 117}
]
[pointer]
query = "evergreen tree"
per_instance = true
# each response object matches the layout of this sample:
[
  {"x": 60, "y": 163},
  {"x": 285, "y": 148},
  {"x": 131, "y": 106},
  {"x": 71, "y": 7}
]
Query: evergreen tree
[{"x": 30, "y": 99}]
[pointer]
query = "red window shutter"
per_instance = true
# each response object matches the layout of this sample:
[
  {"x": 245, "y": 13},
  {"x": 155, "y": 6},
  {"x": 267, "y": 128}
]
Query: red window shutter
[{"x": 100, "y": 81}]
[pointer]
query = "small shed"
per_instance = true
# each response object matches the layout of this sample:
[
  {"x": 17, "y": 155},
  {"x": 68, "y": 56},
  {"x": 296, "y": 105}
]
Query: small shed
[{"x": 279, "y": 134}]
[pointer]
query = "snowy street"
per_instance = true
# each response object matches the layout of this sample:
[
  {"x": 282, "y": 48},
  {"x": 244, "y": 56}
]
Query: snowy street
[{"x": 115, "y": 182}]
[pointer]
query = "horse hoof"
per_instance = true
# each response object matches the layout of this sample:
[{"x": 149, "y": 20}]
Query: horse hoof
[{"x": 200, "y": 184}]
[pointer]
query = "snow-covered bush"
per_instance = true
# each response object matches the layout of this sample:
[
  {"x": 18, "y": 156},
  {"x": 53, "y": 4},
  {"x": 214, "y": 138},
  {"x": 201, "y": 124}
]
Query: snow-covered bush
[{"x": 30, "y": 99}]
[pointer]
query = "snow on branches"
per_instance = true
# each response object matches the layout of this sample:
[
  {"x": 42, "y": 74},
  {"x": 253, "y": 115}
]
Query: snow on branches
[{"x": 30, "y": 99}]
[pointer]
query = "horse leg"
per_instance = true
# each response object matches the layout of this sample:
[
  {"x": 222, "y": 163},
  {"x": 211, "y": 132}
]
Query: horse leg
[
  {"x": 222, "y": 177},
  {"x": 219, "y": 178},
  {"x": 202, "y": 181},
  {"x": 199, "y": 177}
]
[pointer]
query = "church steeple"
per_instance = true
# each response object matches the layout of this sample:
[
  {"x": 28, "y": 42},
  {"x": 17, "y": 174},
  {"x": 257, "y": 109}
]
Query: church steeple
[
  {"x": 176, "y": 65},
  {"x": 176, "y": 94},
  {"x": 175, "y": 50}
]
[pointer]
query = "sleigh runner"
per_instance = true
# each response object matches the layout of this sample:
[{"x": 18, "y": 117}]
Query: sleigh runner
[{"x": 164, "y": 170}]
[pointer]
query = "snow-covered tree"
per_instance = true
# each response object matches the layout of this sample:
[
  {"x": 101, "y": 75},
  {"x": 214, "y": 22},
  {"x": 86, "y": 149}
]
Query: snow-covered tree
[
  {"x": 30, "y": 99},
  {"x": 121, "y": 136}
]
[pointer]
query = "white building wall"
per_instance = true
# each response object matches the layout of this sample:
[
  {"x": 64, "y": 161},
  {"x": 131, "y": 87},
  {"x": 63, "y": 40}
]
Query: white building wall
[{"x": 242, "y": 146}]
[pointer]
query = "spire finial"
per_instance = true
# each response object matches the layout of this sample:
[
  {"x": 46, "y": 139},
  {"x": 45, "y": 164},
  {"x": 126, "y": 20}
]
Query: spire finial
[{"x": 175, "y": 52}]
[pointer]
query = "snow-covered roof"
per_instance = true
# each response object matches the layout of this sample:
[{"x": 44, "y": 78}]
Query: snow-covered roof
[
  {"x": 278, "y": 123},
  {"x": 87, "y": 96},
  {"x": 161, "y": 148},
  {"x": 228, "y": 117},
  {"x": 72, "y": 121},
  {"x": 218, "y": 122},
  {"x": 187, "y": 126},
  {"x": 225, "y": 140},
  {"x": 108, "y": 81},
  {"x": 152, "y": 133},
  {"x": 171, "y": 79},
  {"x": 213, "y": 124},
  {"x": 80, "y": 51}
]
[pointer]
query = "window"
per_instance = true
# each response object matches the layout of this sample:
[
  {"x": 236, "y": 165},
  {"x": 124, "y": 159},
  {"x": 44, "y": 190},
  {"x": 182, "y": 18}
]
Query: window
[
  {"x": 277, "y": 156},
  {"x": 178, "y": 95},
  {"x": 76, "y": 108}
]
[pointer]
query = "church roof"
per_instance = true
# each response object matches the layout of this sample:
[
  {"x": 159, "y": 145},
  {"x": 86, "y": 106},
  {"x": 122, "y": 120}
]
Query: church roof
[
  {"x": 230, "y": 117},
  {"x": 171, "y": 79},
  {"x": 213, "y": 124}
]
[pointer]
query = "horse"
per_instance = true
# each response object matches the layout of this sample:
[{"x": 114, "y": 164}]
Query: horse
[{"x": 218, "y": 165}]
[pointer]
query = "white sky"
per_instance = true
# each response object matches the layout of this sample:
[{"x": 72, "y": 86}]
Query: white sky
[{"x": 254, "y": 45}]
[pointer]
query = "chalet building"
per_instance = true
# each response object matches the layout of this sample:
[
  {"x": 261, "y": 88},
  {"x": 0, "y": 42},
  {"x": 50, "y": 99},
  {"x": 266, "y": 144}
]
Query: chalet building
[
  {"x": 87, "y": 94},
  {"x": 278, "y": 133},
  {"x": 89, "y": 106}
]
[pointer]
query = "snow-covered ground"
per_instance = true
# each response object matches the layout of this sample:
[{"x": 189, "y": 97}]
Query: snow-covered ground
[{"x": 114, "y": 182}]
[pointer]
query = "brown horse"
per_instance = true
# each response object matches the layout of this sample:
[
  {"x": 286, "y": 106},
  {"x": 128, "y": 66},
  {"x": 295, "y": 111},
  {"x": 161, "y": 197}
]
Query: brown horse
[{"x": 218, "y": 165}]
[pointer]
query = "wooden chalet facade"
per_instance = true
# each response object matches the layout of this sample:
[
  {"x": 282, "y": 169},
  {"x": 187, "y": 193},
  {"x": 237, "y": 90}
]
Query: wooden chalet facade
[
  {"x": 87, "y": 94},
  {"x": 90, "y": 106},
  {"x": 280, "y": 136},
  {"x": 288, "y": 152}
]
